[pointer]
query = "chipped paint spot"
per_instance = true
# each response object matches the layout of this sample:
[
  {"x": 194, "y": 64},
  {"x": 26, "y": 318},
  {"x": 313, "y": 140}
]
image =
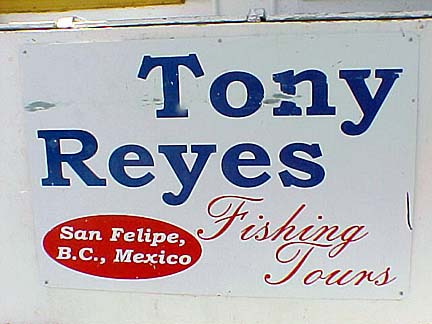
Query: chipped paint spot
[
  {"x": 284, "y": 96},
  {"x": 38, "y": 106},
  {"x": 271, "y": 101}
]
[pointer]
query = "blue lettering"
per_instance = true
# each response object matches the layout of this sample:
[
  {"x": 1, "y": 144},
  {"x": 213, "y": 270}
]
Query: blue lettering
[
  {"x": 170, "y": 80},
  {"x": 368, "y": 105},
  {"x": 118, "y": 162},
  {"x": 231, "y": 162},
  {"x": 188, "y": 178},
  {"x": 55, "y": 158},
  {"x": 315, "y": 171},
  {"x": 288, "y": 81},
  {"x": 218, "y": 94}
]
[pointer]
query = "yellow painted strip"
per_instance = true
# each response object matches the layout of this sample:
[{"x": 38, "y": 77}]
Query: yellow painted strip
[{"x": 20, "y": 6}]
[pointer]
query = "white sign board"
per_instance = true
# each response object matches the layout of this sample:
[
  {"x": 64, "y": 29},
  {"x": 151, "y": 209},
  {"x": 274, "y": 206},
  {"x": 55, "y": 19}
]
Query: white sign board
[{"x": 250, "y": 164}]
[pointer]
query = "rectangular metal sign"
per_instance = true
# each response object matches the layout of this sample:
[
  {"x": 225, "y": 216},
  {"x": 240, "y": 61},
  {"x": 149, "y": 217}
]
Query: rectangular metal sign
[{"x": 256, "y": 162}]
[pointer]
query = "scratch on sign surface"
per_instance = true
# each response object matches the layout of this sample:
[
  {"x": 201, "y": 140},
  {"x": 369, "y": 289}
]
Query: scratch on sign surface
[{"x": 408, "y": 211}]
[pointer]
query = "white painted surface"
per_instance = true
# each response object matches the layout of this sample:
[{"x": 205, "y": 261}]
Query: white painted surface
[
  {"x": 361, "y": 192},
  {"x": 24, "y": 299}
]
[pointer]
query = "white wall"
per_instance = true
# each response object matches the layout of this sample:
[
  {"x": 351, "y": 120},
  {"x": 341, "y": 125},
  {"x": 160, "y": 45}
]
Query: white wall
[{"x": 23, "y": 298}]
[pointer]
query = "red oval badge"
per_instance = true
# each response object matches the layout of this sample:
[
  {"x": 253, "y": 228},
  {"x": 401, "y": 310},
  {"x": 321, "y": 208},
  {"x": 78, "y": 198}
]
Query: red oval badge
[{"x": 122, "y": 246}]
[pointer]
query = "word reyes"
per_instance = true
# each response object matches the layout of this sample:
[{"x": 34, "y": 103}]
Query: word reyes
[
  {"x": 231, "y": 163},
  {"x": 287, "y": 80}
]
